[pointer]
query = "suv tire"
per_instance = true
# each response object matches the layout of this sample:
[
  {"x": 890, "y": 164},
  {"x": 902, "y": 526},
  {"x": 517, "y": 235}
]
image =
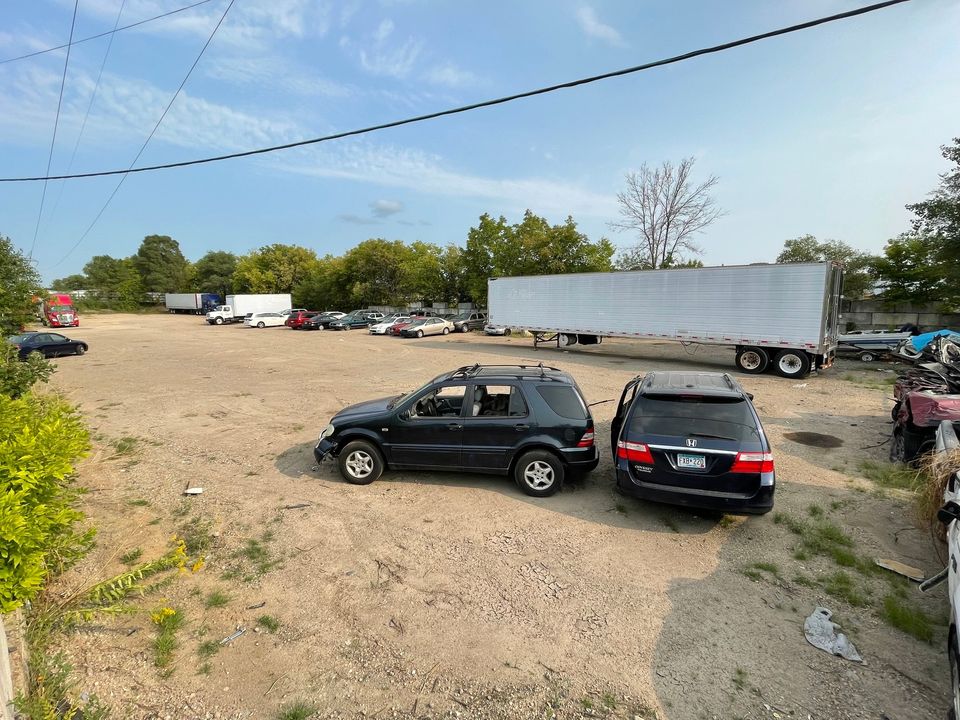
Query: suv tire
[
  {"x": 538, "y": 473},
  {"x": 360, "y": 462},
  {"x": 752, "y": 360},
  {"x": 792, "y": 364}
]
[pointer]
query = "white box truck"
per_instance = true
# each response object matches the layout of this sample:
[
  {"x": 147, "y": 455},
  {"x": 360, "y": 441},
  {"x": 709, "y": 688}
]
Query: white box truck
[
  {"x": 195, "y": 303},
  {"x": 238, "y": 307},
  {"x": 778, "y": 317}
]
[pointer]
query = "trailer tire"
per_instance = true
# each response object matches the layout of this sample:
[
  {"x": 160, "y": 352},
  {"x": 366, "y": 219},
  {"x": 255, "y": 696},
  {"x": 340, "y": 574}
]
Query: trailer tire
[
  {"x": 752, "y": 360},
  {"x": 792, "y": 364},
  {"x": 219, "y": 321},
  {"x": 565, "y": 340},
  {"x": 506, "y": 332},
  {"x": 867, "y": 356}
]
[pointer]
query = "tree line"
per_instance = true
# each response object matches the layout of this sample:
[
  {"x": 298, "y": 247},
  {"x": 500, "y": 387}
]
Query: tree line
[{"x": 663, "y": 207}]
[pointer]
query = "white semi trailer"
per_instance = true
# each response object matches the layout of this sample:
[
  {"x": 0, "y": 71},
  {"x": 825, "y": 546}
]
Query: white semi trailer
[
  {"x": 237, "y": 307},
  {"x": 782, "y": 318}
]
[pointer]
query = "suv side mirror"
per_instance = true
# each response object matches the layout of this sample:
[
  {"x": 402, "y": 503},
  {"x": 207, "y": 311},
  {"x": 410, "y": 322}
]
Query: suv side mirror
[
  {"x": 750, "y": 395},
  {"x": 948, "y": 513}
]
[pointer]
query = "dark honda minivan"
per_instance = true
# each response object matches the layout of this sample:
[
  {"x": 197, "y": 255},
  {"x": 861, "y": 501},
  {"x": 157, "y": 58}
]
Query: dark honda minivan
[
  {"x": 692, "y": 438},
  {"x": 530, "y": 422}
]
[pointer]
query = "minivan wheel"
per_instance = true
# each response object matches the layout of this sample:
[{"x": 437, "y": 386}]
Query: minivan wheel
[
  {"x": 261, "y": 325},
  {"x": 752, "y": 360},
  {"x": 539, "y": 473},
  {"x": 360, "y": 463},
  {"x": 792, "y": 364}
]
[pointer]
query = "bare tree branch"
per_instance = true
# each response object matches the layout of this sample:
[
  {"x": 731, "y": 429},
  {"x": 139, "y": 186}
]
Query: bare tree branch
[{"x": 666, "y": 209}]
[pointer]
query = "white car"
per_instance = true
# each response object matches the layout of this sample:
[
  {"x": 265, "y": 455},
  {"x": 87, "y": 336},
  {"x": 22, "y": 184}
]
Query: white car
[
  {"x": 383, "y": 327},
  {"x": 496, "y": 330},
  {"x": 949, "y": 515},
  {"x": 265, "y": 319}
]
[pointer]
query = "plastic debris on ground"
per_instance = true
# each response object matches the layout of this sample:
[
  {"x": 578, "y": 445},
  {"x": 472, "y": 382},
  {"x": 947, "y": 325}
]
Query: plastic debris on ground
[{"x": 824, "y": 634}]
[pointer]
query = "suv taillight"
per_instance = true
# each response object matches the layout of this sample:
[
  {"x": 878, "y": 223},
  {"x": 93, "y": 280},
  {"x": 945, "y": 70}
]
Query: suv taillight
[
  {"x": 634, "y": 452},
  {"x": 587, "y": 440},
  {"x": 752, "y": 462}
]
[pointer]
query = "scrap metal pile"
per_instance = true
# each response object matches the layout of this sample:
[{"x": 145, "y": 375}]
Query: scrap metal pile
[{"x": 926, "y": 394}]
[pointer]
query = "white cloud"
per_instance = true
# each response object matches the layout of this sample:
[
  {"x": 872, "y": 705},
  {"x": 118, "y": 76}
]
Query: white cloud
[
  {"x": 274, "y": 72},
  {"x": 595, "y": 28},
  {"x": 357, "y": 219},
  {"x": 395, "y": 61},
  {"x": 383, "y": 31},
  {"x": 449, "y": 74},
  {"x": 386, "y": 208}
]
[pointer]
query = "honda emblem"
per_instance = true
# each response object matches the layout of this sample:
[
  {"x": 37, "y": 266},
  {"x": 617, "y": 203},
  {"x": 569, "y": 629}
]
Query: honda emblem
[{"x": 691, "y": 442}]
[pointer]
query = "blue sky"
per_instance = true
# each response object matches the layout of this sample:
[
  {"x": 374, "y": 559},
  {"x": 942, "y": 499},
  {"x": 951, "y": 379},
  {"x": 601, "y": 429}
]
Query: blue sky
[{"x": 829, "y": 131}]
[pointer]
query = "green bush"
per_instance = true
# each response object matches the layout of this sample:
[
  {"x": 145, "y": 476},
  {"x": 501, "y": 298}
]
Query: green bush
[
  {"x": 17, "y": 376},
  {"x": 40, "y": 440}
]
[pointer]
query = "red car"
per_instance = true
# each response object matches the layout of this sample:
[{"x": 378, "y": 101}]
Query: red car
[
  {"x": 297, "y": 319},
  {"x": 396, "y": 328}
]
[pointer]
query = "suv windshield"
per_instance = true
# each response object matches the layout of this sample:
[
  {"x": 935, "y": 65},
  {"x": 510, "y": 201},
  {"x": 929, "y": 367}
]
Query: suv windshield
[{"x": 705, "y": 416}]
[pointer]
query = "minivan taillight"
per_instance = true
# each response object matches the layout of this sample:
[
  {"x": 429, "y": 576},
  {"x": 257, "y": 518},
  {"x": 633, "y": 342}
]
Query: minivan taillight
[
  {"x": 587, "y": 440},
  {"x": 752, "y": 462},
  {"x": 634, "y": 452}
]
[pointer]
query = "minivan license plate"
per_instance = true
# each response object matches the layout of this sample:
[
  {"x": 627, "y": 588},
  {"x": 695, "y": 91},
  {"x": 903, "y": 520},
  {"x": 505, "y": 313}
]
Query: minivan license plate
[{"x": 697, "y": 462}]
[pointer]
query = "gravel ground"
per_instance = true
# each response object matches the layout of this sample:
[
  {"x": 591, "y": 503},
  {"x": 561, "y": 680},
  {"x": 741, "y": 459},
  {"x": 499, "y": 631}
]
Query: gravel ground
[{"x": 447, "y": 595}]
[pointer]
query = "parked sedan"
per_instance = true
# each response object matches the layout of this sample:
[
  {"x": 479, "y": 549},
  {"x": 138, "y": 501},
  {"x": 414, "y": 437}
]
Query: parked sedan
[
  {"x": 47, "y": 344},
  {"x": 356, "y": 319},
  {"x": 383, "y": 327},
  {"x": 427, "y": 326},
  {"x": 265, "y": 319},
  {"x": 496, "y": 330},
  {"x": 400, "y": 325},
  {"x": 321, "y": 321}
]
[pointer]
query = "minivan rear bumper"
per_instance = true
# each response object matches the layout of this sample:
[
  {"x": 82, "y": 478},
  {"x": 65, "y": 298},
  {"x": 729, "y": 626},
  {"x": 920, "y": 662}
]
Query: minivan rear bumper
[{"x": 757, "y": 504}]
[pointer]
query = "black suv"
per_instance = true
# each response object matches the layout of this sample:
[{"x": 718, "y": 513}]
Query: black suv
[
  {"x": 691, "y": 438},
  {"x": 528, "y": 421}
]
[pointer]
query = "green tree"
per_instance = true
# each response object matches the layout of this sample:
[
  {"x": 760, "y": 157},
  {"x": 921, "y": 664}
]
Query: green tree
[
  {"x": 274, "y": 269},
  {"x": 530, "y": 247},
  {"x": 858, "y": 277},
  {"x": 19, "y": 283},
  {"x": 908, "y": 270},
  {"x": 938, "y": 219},
  {"x": 377, "y": 272},
  {"x": 70, "y": 283},
  {"x": 161, "y": 265},
  {"x": 324, "y": 288},
  {"x": 214, "y": 272},
  {"x": 114, "y": 283}
]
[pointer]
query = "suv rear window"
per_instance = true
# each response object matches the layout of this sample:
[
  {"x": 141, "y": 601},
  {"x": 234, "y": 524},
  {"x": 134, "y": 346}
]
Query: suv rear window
[
  {"x": 564, "y": 401},
  {"x": 680, "y": 415}
]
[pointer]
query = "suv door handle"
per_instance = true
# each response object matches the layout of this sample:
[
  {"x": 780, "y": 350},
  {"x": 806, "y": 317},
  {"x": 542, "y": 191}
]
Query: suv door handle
[
  {"x": 454, "y": 426},
  {"x": 521, "y": 427}
]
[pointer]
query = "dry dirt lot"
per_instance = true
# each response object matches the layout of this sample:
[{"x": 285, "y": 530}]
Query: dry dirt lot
[{"x": 445, "y": 595}]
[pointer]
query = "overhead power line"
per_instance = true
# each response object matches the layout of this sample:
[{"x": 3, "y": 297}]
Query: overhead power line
[
  {"x": 103, "y": 34},
  {"x": 486, "y": 103},
  {"x": 150, "y": 136},
  {"x": 56, "y": 122}
]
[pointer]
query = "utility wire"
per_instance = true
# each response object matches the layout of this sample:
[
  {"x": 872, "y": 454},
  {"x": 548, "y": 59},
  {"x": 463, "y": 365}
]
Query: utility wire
[
  {"x": 83, "y": 125},
  {"x": 487, "y": 103},
  {"x": 108, "y": 32},
  {"x": 56, "y": 122},
  {"x": 150, "y": 136}
]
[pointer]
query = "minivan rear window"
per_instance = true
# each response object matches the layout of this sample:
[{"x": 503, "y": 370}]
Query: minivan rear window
[
  {"x": 683, "y": 415},
  {"x": 564, "y": 401}
]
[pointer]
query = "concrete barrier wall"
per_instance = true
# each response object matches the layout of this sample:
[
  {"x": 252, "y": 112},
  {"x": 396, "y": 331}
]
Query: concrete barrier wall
[{"x": 874, "y": 314}]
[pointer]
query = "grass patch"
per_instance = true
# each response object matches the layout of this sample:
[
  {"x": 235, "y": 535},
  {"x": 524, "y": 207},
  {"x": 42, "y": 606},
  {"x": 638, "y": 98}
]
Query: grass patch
[
  {"x": 197, "y": 535},
  {"x": 205, "y": 669},
  {"x": 621, "y": 508},
  {"x": 815, "y": 511},
  {"x": 843, "y": 587},
  {"x": 132, "y": 557},
  {"x": 138, "y": 502},
  {"x": 300, "y": 710},
  {"x": 740, "y": 678},
  {"x": 269, "y": 623},
  {"x": 126, "y": 445},
  {"x": 586, "y": 703},
  {"x": 889, "y": 475},
  {"x": 609, "y": 701},
  {"x": 208, "y": 648},
  {"x": 727, "y": 521},
  {"x": 216, "y": 599},
  {"x": 805, "y": 581},
  {"x": 910, "y": 620},
  {"x": 168, "y": 622}
]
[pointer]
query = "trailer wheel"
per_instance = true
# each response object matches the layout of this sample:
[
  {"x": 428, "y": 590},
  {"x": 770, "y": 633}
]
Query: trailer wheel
[
  {"x": 506, "y": 332},
  {"x": 752, "y": 360},
  {"x": 867, "y": 357},
  {"x": 566, "y": 340},
  {"x": 219, "y": 321},
  {"x": 792, "y": 364}
]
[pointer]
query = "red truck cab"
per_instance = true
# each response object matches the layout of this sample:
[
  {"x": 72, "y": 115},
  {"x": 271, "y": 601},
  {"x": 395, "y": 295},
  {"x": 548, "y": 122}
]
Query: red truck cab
[{"x": 58, "y": 311}]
